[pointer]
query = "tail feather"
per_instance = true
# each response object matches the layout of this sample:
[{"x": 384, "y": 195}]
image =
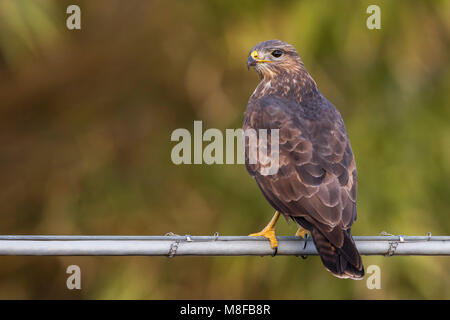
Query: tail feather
[{"x": 343, "y": 262}]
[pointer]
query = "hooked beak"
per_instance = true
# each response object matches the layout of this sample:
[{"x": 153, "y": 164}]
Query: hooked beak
[
  {"x": 251, "y": 62},
  {"x": 253, "y": 59}
]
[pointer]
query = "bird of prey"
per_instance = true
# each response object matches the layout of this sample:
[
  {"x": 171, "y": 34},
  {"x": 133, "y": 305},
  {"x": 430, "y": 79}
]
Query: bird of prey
[{"x": 316, "y": 183}]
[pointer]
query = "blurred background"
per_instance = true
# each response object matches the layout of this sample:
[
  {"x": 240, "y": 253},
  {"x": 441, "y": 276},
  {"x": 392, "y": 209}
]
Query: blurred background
[{"x": 86, "y": 118}]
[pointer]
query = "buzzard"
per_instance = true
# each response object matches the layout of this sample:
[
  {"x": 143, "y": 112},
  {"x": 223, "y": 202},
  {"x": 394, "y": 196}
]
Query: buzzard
[{"x": 316, "y": 183}]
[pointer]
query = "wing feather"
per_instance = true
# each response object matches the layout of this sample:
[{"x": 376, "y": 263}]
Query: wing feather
[{"x": 316, "y": 179}]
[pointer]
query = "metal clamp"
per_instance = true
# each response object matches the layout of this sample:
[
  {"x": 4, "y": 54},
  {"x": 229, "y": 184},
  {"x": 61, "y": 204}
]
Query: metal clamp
[
  {"x": 392, "y": 247},
  {"x": 174, "y": 246},
  {"x": 393, "y": 244},
  {"x": 173, "y": 249}
]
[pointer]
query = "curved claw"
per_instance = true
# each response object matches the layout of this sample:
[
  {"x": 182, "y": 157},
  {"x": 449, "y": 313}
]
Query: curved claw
[
  {"x": 269, "y": 234},
  {"x": 303, "y": 233},
  {"x": 275, "y": 251},
  {"x": 305, "y": 239}
]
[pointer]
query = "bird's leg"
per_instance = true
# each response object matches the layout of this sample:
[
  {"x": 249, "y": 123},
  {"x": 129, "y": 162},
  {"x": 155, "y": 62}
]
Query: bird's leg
[{"x": 269, "y": 231}]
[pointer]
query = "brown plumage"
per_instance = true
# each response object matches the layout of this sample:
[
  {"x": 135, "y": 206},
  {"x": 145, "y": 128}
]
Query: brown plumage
[{"x": 316, "y": 182}]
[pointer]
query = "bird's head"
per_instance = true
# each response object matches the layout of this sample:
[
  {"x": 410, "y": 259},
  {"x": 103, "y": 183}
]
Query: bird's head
[{"x": 274, "y": 57}]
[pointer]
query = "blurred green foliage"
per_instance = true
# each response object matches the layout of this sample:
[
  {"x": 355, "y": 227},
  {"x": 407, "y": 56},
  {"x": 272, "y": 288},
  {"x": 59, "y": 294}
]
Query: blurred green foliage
[{"x": 86, "y": 118}]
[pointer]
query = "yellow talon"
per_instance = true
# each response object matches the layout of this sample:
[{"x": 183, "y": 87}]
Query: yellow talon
[
  {"x": 269, "y": 231},
  {"x": 301, "y": 232},
  {"x": 269, "y": 234}
]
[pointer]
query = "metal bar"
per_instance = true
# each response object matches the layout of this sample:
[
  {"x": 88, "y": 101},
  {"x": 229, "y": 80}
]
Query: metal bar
[
  {"x": 46, "y": 245},
  {"x": 206, "y": 238}
]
